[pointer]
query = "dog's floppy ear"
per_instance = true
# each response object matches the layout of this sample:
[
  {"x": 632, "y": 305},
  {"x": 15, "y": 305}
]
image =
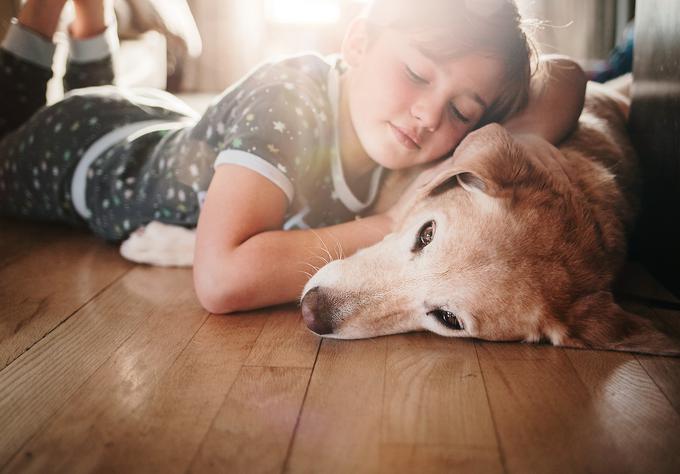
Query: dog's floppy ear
[
  {"x": 597, "y": 322},
  {"x": 481, "y": 163}
]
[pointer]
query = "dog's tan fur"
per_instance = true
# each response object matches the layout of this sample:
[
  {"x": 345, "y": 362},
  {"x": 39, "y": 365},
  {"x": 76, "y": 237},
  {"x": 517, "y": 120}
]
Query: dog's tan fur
[{"x": 527, "y": 243}]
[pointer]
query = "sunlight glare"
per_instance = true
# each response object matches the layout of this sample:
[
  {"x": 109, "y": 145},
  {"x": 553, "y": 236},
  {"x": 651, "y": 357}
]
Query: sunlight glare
[{"x": 304, "y": 11}]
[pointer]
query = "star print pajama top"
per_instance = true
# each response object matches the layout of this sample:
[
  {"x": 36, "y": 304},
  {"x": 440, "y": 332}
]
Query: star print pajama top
[{"x": 114, "y": 158}]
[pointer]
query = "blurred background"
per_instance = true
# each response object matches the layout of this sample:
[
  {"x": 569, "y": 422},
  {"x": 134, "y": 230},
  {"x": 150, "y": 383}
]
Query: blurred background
[
  {"x": 197, "y": 48},
  {"x": 238, "y": 34},
  {"x": 203, "y": 46}
]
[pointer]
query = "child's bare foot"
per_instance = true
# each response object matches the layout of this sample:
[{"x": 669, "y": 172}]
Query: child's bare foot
[
  {"x": 41, "y": 16},
  {"x": 91, "y": 17}
]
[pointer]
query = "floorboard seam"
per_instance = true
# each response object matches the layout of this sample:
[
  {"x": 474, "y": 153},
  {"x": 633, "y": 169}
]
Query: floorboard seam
[
  {"x": 286, "y": 460},
  {"x": 226, "y": 396},
  {"x": 663, "y": 392},
  {"x": 493, "y": 418},
  {"x": 85, "y": 303},
  {"x": 658, "y": 317}
]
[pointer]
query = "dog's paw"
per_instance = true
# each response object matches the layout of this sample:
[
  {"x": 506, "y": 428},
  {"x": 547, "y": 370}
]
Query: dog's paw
[{"x": 160, "y": 244}]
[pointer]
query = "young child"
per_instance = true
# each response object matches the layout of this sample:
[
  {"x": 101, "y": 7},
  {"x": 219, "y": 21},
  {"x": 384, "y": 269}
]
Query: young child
[{"x": 275, "y": 171}]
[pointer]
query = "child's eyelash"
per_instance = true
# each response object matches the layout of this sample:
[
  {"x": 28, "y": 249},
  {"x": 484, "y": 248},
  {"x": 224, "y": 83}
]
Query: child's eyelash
[
  {"x": 458, "y": 114},
  {"x": 420, "y": 80},
  {"x": 415, "y": 77}
]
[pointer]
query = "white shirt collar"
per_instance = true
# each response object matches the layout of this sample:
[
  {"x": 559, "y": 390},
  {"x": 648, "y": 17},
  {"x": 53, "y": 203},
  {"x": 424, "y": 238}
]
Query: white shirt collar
[{"x": 340, "y": 186}]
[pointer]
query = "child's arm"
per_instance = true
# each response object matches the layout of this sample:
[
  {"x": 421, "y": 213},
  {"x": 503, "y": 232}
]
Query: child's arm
[
  {"x": 555, "y": 100},
  {"x": 244, "y": 261}
]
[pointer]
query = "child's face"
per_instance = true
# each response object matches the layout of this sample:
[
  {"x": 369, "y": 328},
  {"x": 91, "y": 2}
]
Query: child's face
[{"x": 408, "y": 109}]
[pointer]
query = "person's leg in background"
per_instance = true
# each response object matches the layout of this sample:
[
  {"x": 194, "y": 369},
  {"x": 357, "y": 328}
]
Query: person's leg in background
[
  {"x": 39, "y": 158},
  {"x": 40, "y": 146},
  {"x": 26, "y": 62},
  {"x": 93, "y": 39},
  {"x": 27, "y": 51}
]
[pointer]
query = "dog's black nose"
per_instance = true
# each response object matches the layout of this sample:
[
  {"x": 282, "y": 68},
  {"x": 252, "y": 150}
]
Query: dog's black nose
[{"x": 315, "y": 312}]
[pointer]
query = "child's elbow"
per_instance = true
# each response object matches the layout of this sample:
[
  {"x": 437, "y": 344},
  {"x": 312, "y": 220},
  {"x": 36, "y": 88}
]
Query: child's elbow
[
  {"x": 211, "y": 300},
  {"x": 216, "y": 290}
]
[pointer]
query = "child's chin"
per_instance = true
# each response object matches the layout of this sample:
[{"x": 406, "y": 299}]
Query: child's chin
[
  {"x": 393, "y": 161},
  {"x": 398, "y": 165}
]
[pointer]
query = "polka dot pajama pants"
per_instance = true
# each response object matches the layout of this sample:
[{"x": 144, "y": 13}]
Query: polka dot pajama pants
[{"x": 40, "y": 147}]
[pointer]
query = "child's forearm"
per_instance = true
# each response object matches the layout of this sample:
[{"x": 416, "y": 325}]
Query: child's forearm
[
  {"x": 555, "y": 100},
  {"x": 272, "y": 267}
]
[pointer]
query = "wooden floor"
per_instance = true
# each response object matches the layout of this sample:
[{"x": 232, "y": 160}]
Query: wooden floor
[{"x": 110, "y": 367}]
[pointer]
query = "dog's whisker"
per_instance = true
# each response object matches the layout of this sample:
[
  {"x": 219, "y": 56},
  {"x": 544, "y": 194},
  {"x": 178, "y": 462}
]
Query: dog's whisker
[
  {"x": 314, "y": 267},
  {"x": 342, "y": 250},
  {"x": 328, "y": 252},
  {"x": 338, "y": 250},
  {"x": 313, "y": 255},
  {"x": 323, "y": 247},
  {"x": 306, "y": 273}
]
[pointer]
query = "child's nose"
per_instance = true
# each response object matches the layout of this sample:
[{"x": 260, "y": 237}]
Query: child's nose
[{"x": 428, "y": 113}]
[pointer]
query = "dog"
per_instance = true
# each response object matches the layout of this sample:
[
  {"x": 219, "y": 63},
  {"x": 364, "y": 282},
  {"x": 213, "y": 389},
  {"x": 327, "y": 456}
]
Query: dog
[{"x": 512, "y": 240}]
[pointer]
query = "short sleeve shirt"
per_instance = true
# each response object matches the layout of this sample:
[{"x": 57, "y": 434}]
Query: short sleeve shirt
[{"x": 280, "y": 121}]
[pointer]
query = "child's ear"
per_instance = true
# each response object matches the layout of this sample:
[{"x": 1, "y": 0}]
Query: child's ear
[
  {"x": 355, "y": 43},
  {"x": 596, "y": 322}
]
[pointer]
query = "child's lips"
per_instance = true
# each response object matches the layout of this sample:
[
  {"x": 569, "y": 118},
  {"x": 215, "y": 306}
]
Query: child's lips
[{"x": 404, "y": 138}]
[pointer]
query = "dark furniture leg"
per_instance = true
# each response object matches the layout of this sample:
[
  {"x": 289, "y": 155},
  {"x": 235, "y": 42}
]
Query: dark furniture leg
[{"x": 655, "y": 128}]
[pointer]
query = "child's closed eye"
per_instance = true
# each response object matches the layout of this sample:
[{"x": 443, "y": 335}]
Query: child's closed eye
[
  {"x": 414, "y": 76},
  {"x": 455, "y": 112}
]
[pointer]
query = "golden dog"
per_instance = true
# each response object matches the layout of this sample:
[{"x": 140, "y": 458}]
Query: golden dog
[{"x": 513, "y": 240}]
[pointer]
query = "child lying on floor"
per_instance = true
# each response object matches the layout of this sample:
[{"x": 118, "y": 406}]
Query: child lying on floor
[{"x": 275, "y": 171}]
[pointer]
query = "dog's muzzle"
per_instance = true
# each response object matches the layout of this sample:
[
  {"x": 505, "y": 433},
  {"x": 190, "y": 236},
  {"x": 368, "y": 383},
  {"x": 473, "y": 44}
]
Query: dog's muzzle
[{"x": 317, "y": 311}]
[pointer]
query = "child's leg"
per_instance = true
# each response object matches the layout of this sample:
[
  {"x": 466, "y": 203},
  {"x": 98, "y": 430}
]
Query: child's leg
[
  {"x": 26, "y": 62},
  {"x": 41, "y": 16},
  {"x": 92, "y": 41}
]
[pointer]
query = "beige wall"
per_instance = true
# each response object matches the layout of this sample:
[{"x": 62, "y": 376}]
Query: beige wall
[
  {"x": 236, "y": 36},
  {"x": 232, "y": 33},
  {"x": 583, "y": 29}
]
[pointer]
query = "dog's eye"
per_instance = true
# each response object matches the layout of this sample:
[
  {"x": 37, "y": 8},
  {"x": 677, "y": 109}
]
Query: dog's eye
[
  {"x": 425, "y": 235},
  {"x": 447, "y": 318}
]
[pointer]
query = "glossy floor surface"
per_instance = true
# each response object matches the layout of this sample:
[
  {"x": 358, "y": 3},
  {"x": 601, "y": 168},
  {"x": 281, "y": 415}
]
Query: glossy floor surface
[{"x": 111, "y": 367}]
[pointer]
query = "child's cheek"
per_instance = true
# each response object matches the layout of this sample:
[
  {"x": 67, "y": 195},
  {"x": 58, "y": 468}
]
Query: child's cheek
[
  {"x": 451, "y": 137},
  {"x": 398, "y": 90}
]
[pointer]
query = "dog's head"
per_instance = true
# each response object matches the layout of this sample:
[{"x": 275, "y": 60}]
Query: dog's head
[{"x": 498, "y": 246}]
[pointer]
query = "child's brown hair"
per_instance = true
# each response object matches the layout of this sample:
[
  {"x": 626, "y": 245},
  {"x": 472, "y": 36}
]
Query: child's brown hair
[{"x": 444, "y": 29}]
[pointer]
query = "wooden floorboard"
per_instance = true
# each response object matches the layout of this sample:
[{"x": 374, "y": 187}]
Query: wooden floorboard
[
  {"x": 99, "y": 366},
  {"x": 339, "y": 426},
  {"x": 253, "y": 430},
  {"x": 37, "y": 384},
  {"x": 43, "y": 287},
  {"x": 538, "y": 404},
  {"x": 664, "y": 371},
  {"x": 435, "y": 400},
  {"x": 18, "y": 238},
  {"x": 110, "y": 367},
  {"x": 284, "y": 341},
  {"x": 616, "y": 383}
]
